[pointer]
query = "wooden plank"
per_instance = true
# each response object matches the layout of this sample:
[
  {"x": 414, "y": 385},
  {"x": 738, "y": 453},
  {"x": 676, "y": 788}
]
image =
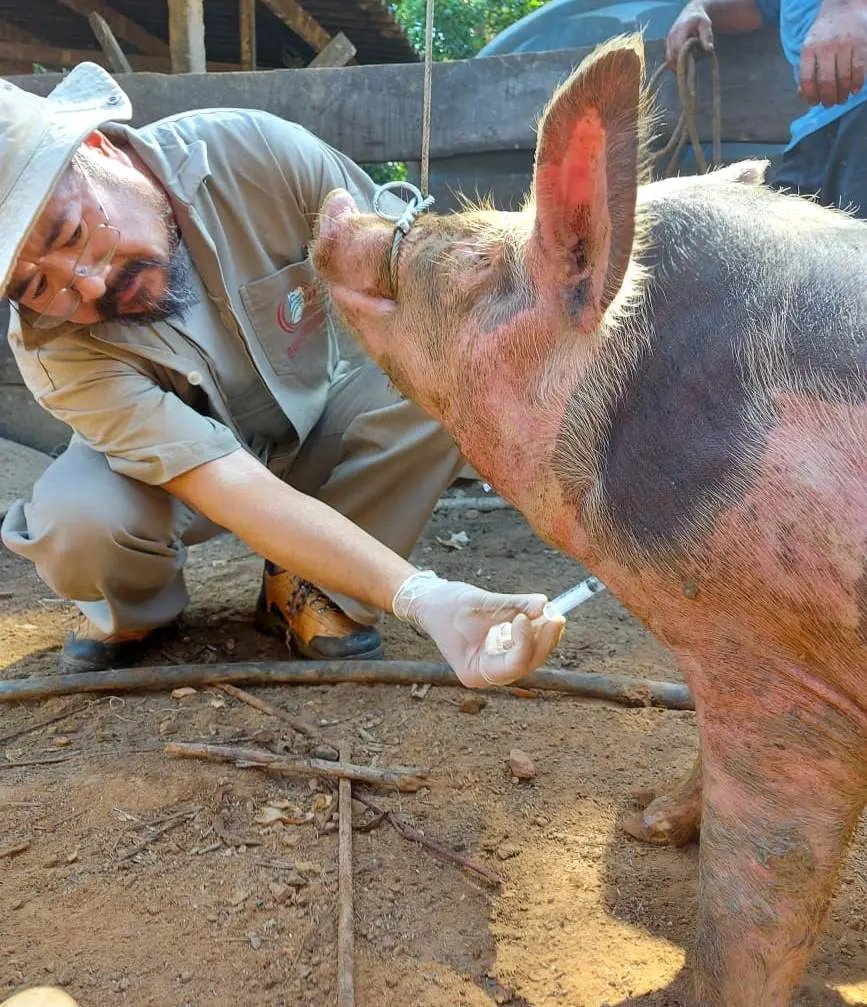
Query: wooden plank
[
  {"x": 121, "y": 25},
  {"x": 293, "y": 15},
  {"x": 338, "y": 52},
  {"x": 373, "y": 113},
  {"x": 187, "y": 36},
  {"x": 56, "y": 56},
  {"x": 247, "y": 18},
  {"x": 117, "y": 61},
  {"x": 12, "y": 33}
]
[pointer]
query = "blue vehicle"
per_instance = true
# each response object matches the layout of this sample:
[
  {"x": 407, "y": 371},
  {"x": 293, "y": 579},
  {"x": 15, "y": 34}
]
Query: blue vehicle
[{"x": 566, "y": 24}]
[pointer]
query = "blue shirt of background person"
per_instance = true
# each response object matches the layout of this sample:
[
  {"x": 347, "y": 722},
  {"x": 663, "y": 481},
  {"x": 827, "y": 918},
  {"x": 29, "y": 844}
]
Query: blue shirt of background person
[{"x": 795, "y": 19}]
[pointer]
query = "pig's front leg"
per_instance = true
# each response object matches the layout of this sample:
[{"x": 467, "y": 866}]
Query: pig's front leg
[
  {"x": 673, "y": 818},
  {"x": 783, "y": 786}
]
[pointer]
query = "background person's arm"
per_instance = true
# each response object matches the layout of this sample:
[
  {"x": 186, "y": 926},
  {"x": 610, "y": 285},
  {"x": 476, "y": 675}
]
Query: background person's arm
[
  {"x": 834, "y": 54},
  {"x": 701, "y": 18}
]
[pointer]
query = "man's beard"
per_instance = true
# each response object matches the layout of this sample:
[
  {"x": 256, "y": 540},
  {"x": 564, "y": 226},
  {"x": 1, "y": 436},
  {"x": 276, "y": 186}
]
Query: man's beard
[{"x": 178, "y": 296}]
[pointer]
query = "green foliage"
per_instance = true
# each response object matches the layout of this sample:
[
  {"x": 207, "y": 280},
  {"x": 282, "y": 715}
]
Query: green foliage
[
  {"x": 390, "y": 171},
  {"x": 461, "y": 27}
]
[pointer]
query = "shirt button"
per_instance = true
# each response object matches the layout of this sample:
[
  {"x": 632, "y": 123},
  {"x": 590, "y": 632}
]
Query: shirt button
[{"x": 194, "y": 377}]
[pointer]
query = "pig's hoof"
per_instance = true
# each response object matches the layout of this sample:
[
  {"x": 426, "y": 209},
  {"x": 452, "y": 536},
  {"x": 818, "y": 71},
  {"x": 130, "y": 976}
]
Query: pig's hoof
[{"x": 664, "y": 823}]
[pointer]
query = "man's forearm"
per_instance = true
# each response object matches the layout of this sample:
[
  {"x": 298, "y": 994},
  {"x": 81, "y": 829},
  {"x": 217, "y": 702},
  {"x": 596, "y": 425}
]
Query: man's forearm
[
  {"x": 733, "y": 17},
  {"x": 291, "y": 529}
]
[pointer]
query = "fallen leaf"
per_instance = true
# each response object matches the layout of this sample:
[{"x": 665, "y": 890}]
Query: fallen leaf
[
  {"x": 457, "y": 540},
  {"x": 288, "y": 814},
  {"x": 185, "y": 690}
]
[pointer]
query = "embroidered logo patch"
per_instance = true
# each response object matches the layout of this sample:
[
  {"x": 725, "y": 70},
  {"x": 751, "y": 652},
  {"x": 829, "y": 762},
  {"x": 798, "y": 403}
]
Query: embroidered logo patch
[{"x": 290, "y": 311}]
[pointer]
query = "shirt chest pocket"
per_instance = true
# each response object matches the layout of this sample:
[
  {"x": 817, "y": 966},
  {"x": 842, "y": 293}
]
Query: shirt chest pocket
[{"x": 286, "y": 313}]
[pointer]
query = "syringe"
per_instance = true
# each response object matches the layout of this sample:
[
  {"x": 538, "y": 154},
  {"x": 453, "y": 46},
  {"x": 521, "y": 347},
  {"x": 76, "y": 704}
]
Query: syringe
[{"x": 499, "y": 638}]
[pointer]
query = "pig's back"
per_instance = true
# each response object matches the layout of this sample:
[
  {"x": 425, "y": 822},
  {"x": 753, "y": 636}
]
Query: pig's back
[
  {"x": 734, "y": 459},
  {"x": 754, "y": 300}
]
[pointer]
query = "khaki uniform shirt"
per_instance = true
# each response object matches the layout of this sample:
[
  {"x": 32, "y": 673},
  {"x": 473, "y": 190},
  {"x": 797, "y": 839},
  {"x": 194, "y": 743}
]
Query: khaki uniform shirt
[{"x": 255, "y": 353}]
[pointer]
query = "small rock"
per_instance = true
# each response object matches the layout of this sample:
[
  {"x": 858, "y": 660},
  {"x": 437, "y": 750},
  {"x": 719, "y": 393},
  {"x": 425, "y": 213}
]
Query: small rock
[
  {"x": 521, "y": 765},
  {"x": 507, "y": 850},
  {"x": 185, "y": 977},
  {"x": 183, "y": 692},
  {"x": 280, "y": 893},
  {"x": 72, "y": 857},
  {"x": 61, "y": 741},
  {"x": 255, "y": 942},
  {"x": 473, "y": 703},
  {"x": 328, "y": 752}
]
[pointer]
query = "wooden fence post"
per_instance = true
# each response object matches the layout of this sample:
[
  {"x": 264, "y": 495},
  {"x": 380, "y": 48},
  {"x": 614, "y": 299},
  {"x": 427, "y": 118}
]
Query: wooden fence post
[
  {"x": 187, "y": 36},
  {"x": 247, "y": 17}
]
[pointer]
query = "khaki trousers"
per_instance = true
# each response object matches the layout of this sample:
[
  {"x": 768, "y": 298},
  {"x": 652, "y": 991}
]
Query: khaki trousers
[{"x": 117, "y": 546}]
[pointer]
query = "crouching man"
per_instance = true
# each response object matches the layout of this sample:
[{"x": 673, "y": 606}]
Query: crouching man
[{"x": 168, "y": 315}]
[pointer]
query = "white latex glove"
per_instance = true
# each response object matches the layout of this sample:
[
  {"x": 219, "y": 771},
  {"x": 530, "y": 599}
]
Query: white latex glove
[{"x": 458, "y": 616}]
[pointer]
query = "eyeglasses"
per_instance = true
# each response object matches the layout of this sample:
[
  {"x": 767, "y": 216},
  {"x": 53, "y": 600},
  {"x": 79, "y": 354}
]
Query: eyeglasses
[{"x": 99, "y": 246}]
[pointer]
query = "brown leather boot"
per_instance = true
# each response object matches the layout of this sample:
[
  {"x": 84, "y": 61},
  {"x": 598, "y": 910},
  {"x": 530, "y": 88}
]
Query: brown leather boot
[
  {"x": 310, "y": 622},
  {"x": 89, "y": 649}
]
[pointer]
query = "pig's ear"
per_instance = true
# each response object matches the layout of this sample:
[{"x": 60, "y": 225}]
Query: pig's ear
[{"x": 586, "y": 178}]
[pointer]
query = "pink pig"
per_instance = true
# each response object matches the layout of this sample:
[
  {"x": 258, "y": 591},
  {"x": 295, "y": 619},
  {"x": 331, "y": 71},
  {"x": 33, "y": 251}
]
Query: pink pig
[{"x": 670, "y": 381}]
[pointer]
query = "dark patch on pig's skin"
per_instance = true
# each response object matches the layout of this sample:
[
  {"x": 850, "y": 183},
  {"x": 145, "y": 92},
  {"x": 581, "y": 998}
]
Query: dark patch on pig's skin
[
  {"x": 678, "y": 442},
  {"x": 576, "y": 299},
  {"x": 677, "y": 447}
]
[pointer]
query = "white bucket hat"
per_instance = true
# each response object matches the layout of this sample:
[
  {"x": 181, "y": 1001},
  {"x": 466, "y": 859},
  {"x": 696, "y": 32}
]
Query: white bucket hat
[{"x": 38, "y": 137}]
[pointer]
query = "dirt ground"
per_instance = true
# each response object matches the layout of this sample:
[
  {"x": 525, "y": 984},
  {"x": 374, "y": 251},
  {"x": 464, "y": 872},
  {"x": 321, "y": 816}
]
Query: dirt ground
[{"x": 147, "y": 880}]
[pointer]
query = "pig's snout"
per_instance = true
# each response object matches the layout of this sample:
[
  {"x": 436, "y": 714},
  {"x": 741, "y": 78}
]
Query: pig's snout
[{"x": 338, "y": 204}]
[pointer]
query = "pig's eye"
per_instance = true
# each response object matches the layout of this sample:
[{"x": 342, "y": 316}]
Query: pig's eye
[{"x": 469, "y": 257}]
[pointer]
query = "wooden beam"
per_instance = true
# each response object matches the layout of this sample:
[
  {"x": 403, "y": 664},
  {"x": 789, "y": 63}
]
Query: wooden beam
[
  {"x": 121, "y": 25},
  {"x": 373, "y": 113},
  {"x": 247, "y": 18},
  {"x": 12, "y": 33},
  {"x": 56, "y": 56},
  {"x": 118, "y": 63},
  {"x": 338, "y": 52},
  {"x": 187, "y": 36},
  {"x": 293, "y": 15}
]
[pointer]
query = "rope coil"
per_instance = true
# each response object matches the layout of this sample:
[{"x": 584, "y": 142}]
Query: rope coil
[{"x": 687, "y": 123}]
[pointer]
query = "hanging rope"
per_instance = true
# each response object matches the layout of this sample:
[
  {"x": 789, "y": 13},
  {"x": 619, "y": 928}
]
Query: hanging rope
[
  {"x": 428, "y": 66},
  {"x": 687, "y": 123}
]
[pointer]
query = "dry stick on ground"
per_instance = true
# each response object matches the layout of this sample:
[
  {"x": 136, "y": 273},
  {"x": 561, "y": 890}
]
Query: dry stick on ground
[
  {"x": 345, "y": 933},
  {"x": 616, "y": 688},
  {"x": 15, "y": 848},
  {"x": 273, "y": 711},
  {"x": 170, "y": 823},
  {"x": 438, "y": 849},
  {"x": 43, "y": 723},
  {"x": 46, "y": 760},
  {"x": 405, "y": 780}
]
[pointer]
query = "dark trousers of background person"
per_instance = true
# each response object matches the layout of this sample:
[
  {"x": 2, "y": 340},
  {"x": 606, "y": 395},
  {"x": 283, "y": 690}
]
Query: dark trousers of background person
[{"x": 830, "y": 164}]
